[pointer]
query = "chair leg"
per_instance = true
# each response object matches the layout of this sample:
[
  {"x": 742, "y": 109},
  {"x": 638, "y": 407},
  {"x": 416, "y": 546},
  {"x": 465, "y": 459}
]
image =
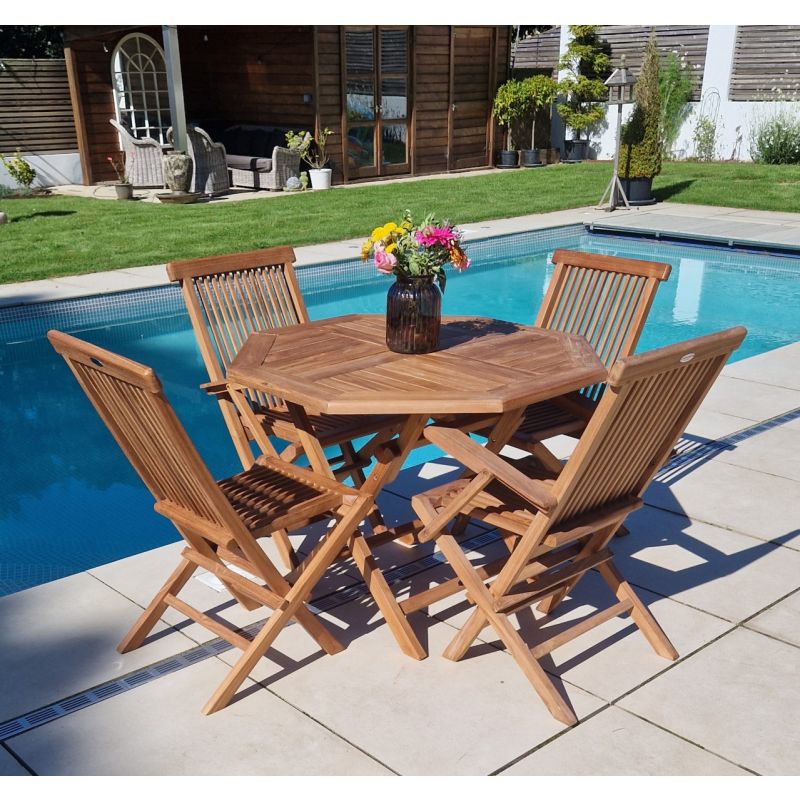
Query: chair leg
[
  {"x": 516, "y": 647},
  {"x": 640, "y": 614},
  {"x": 157, "y": 607},
  {"x": 350, "y": 457},
  {"x": 385, "y": 599},
  {"x": 285, "y": 550},
  {"x": 293, "y": 600}
]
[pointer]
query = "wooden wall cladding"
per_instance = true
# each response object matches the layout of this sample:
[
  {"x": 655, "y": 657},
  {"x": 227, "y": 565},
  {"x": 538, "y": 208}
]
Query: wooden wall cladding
[
  {"x": 539, "y": 53},
  {"x": 431, "y": 60},
  {"x": 248, "y": 74},
  {"x": 766, "y": 60},
  {"x": 328, "y": 93},
  {"x": 35, "y": 110},
  {"x": 691, "y": 40}
]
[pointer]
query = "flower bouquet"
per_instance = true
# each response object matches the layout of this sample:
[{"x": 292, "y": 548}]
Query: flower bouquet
[{"x": 416, "y": 256}]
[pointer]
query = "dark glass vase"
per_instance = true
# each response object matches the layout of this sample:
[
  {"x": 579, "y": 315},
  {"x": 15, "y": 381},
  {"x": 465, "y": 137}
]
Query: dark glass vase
[{"x": 413, "y": 315}]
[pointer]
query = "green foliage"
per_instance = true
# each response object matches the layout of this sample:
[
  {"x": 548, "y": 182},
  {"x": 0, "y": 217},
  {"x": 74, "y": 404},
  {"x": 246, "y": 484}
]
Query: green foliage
[
  {"x": 775, "y": 138},
  {"x": 511, "y": 104},
  {"x": 705, "y": 138},
  {"x": 641, "y": 134},
  {"x": 19, "y": 169},
  {"x": 587, "y": 66},
  {"x": 310, "y": 150},
  {"x": 675, "y": 88},
  {"x": 516, "y": 104},
  {"x": 31, "y": 41}
]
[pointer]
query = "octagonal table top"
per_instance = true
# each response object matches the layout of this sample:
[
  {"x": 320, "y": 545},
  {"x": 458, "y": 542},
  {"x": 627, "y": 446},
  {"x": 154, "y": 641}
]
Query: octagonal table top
[{"x": 343, "y": 366}]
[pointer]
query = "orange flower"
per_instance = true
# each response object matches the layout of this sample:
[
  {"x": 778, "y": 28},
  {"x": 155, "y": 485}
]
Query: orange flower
[{"x": 458, "y": 258}]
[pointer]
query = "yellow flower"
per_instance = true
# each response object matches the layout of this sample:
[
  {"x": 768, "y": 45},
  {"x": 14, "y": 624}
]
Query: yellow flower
[
  {"x": 365, "y": 248},
  {"x": 391, "y": 247}
]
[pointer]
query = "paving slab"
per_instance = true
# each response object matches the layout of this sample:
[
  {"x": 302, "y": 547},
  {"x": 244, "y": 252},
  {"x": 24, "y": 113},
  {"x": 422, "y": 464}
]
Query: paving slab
[
  {"x": 775, "y": 451},
  {"x": 750, "y": 399},
  {"x": 139, "y": 577},
  {"x": 719, "y": 571},
  {"x": 779, "y": 367},
  {"x": 61, "y": 637},
  {"x": 760, "y": 505},
  {"x": 739, "y": 698},
  {"x": 615, "y": 742},
  {"x": 157, "y": 729},
  {"x": 708, "y": 424},
  {"x": 613, "y": 658},
  {"x": 9, "y": 766},
  {"x": 430, "y": 717},
  {"x": 781, "y": 621}
]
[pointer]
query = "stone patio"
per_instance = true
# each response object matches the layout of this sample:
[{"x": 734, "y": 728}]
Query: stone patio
[{"x": 714, "y": 553}]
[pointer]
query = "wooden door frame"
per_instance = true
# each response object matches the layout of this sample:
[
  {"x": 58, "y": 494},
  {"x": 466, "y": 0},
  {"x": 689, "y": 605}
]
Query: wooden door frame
[{"x": 379, "y": 170}]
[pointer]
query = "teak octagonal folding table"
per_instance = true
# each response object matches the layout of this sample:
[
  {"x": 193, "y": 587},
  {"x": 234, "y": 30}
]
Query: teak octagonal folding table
[{"x": 484, "y": 369}]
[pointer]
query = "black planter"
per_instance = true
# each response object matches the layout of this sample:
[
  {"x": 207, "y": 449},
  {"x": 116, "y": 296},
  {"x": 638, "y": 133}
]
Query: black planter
[
  {"x": 530, "y": 158},
  {"x": 639, "y": 191},
  {"x": 508, "y": 159},
  {"x": 576, "y": 149},
  {"x": 413, "y": 315}
]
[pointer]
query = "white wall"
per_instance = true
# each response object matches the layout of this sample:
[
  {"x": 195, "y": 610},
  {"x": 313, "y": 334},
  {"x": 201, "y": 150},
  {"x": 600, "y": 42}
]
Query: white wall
[
  {"x": 734, "y": 118},
  {"x": 52, "y": 169}
]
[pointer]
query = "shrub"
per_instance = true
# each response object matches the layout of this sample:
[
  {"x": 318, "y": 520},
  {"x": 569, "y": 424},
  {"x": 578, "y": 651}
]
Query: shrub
[
  {"x": 540, "y": 91},
  {"x": 511, "y": 104},
  {"x": 587, "y": 66},
  {"x": 705, "y": 138},
  {"x": 775, "y": 138},
  {"x": 641, "y": 134},
  {"x": 675, "y": 89},
  {"x": 19, "y": 169}
]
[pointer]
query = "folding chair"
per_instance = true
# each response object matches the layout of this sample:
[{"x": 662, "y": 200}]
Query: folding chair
[
  {"x": 220, "y": 521},
  {"x": 558, "y": 525},
  {"x": 605, "y": 299},
  {"x": 228, "y": 298}
]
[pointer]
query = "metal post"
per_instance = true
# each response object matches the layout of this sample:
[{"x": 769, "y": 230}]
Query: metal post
[
  {"x": 177, "y": 111},
  {"x": 614, "y": 189}
]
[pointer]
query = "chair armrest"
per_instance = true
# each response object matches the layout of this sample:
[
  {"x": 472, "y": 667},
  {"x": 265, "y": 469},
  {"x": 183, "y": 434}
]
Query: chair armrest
[
  {"x": 284, "y": 155},
  {"x": 215, "y": 387},
  {"x": 477, "y": 458}
]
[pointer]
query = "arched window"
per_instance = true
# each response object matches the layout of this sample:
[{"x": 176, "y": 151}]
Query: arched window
[{"x": 139, "y": 78}]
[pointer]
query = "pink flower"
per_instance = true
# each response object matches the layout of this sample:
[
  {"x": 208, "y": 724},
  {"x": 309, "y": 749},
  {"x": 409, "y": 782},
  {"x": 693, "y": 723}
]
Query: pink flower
[
  {"x": 385, "y": 262},
  {"x": 431, "y": 236}
]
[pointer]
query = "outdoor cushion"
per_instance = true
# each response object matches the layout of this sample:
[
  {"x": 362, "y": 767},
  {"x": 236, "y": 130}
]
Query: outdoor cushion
[{"x": 248, "y": 162}]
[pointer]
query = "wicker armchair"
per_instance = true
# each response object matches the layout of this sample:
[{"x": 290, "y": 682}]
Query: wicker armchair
[
  {"x": 142, "y": 158},
  {"x": 210, "y": 174}
]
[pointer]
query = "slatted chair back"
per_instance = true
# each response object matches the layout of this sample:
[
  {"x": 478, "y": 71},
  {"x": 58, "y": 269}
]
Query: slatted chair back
[
  {"x": 130, "y": 400},
  {"x": 647, "y": 404},
  {"x": 606, "y": 299},
  {"x": 229, "y": 297}
]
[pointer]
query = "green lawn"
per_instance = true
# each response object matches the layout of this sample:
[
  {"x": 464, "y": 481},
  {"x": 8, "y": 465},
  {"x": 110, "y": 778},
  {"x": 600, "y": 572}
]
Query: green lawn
[{"x": 65, "y": 236}]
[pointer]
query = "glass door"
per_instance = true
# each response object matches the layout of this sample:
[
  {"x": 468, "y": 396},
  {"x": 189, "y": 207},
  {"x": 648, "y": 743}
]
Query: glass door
[{"x": 376, "y": 101}]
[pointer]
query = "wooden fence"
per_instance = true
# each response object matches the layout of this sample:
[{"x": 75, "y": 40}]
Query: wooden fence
[
  {"x": 35, "y": 109},
  {"x": 766, "y": 60}
]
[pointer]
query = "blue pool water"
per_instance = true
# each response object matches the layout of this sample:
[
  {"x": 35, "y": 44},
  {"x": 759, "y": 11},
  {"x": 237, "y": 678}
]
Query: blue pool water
[{"x": 70, "y": 501}]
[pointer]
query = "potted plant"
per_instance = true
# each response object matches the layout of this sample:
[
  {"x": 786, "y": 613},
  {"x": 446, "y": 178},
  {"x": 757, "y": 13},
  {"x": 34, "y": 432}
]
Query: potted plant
[
  {"x": 586, "y": 67},
  {"x": 640, "y": 156},
  {"x": 123, "y": 186},
  {"x": 510, "y": 106},
  {"x": 540, "y": 91},
  {"x": 416, "y": 256},
  {"x": 312, "y": 151}
]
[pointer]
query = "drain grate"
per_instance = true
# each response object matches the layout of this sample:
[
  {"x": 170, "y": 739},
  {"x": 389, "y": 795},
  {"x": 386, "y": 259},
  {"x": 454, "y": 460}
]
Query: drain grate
[{"x": 46, "y": 714}]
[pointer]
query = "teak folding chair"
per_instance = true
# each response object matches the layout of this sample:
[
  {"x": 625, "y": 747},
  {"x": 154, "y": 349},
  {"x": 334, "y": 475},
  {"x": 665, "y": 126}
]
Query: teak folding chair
[
  {"x": 228, "y": 298},
  {"x": 220, "y": 521},
  {"x": 606, "y": 299},
  {"x": 558, "y": 525}
]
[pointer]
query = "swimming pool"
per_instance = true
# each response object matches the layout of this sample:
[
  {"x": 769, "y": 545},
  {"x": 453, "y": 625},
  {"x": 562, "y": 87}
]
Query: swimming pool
[{"x": 68, "y": 498}]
